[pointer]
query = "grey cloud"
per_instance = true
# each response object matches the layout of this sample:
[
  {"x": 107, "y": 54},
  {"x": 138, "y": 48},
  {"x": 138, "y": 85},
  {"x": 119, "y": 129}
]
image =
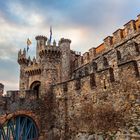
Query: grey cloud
[
  {"x": 8, "y": 51},
  {"x": 9, "y": 73}
]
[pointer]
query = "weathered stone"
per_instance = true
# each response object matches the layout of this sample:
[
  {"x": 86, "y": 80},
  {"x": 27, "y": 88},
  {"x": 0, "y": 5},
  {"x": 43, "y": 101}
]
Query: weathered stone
[{"x": 56, "y": 84}]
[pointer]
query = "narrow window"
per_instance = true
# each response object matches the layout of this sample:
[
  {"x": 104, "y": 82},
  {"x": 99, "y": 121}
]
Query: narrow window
[
  {"x": 104, "y": 84},
  {"x": 112, "y": 79},
  {"x": 118, "y": 55},
  {"x": 80, "y": 74},
  {"x": 92, "y": 80},
  {"x": 136, "y": 69},
  {"x": 105, "y": 62},
  {"x": 88, "y": 56},
  {"x": 86, "y": 71},
  {"x": 137, "y": 48},
  {"x": 94, "y": 65}
]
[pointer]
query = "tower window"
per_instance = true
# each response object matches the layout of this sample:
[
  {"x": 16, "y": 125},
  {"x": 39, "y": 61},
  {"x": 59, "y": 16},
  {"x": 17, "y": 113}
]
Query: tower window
[
  {"x": 112, "y": 79},
  {"x": 118, "y": 55},
  {"x": 104, "y": 84},
  {"x": 136, "y": 69},
  {"x": 92, "y": 80},
  {"x": 94, "y": 65},
  {"x": 137, "y": 47},
  {"x": 105, "y": 62},
  {"x": 86, "y": 71},
  {"x": 80, "y": 74}
]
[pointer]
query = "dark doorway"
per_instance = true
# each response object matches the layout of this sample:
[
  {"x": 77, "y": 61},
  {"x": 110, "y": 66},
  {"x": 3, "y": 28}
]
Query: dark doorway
[{"x": 35, "y": 86}]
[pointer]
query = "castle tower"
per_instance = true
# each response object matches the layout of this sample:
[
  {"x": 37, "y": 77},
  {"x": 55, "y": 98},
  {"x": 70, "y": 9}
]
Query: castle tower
[
  {"x": 66, "y": 58},
  {"x": 23, "y": 62},
  {"x": 50, "y": 57},
  {"x": 41, "y": 43}
]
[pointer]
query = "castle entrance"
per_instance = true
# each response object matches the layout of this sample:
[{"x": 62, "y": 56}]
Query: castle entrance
[
  {"x": 19, "y": 128},
  {"x": 35, "y": 86}
]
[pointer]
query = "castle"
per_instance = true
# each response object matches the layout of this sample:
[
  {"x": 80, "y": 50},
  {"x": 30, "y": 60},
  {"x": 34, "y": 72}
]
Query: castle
[{"x": 59, "y": 81}]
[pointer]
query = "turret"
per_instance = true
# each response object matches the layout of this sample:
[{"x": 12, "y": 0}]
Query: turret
[
  {"x": 50, "y": 56},
  {"x": 66, "y": 58},
  {"x": 41, "y": 43},
  {"x": 50, "y": 51},
  {"x": 23, "y": 62}
]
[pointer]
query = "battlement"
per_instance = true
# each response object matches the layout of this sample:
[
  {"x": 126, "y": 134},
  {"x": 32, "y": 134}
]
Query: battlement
[
  {"x": 41, "y": 37},
  {"x": 120, "y": 36},
  {"x": 22, "y": 57},
  {"x": 100, "y": 79},
  {"x": 50, "y": 51},
  {"x": 63, "y": 40},
  {"x": 111, "y": 58},
  {"x": 15, "y": 95},
  {"x": 34, "y": 68}
]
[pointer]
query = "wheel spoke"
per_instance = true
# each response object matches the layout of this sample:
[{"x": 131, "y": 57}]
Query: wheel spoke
[{"x": 19, "y": 128}]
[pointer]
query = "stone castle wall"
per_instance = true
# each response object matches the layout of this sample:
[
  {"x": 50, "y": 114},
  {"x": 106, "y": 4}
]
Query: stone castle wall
[
  {"x": 67, "y": 82},
  {"x": 79, "y": 92},
  {"x": 111, "y": 76}
]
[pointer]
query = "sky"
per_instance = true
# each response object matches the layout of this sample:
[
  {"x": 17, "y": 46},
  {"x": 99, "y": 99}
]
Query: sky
[{"x": 85, "y": 22}]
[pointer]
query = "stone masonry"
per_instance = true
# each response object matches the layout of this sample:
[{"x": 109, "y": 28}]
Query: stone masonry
[{"x": 56, "y": 83}]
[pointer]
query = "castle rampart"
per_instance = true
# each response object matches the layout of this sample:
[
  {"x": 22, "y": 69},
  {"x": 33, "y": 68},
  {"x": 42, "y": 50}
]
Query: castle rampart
[
  {"x": 58, "y": 83},
  {"x": 130, "y": 31}
]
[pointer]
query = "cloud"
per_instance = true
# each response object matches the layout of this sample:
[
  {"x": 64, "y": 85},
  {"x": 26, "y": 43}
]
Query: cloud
[
  {"x": 85, "y": 22},
  {"x": 9, "y": 74}
]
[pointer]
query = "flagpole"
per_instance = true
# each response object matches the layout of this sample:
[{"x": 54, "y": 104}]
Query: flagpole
[{"x": 50, "y": 34}]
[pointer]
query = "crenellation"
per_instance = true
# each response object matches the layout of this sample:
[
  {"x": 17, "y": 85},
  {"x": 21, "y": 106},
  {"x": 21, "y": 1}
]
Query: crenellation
[
  {"x": 130, "y": 27},
  {"x": 101, "y": 79},
  {"x": 22, "y": 57},
  {"x": 92, "y": 53},
  {"x": 63, "y": 40},
  {"x": 58, "y": 82},
  {"x": 108, "y": 41},
  {"x": 80, "y": 61},
  {"x": 13, "y": 95},
  {"x": 40, "y": 37},
  {"x": 86, "y": 57},
  {"x": 117, "y": 36}
]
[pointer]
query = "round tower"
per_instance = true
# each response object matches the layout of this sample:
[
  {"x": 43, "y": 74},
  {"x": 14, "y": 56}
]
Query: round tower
[
  {"x": 66, "y": 58},
  {"x": 41, "y": 43},
  {"x": 50, "y": 57}
]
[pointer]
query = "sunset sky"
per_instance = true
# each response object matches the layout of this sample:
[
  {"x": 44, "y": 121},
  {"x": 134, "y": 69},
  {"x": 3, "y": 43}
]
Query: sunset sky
[{"x": 85, "y": 22}]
